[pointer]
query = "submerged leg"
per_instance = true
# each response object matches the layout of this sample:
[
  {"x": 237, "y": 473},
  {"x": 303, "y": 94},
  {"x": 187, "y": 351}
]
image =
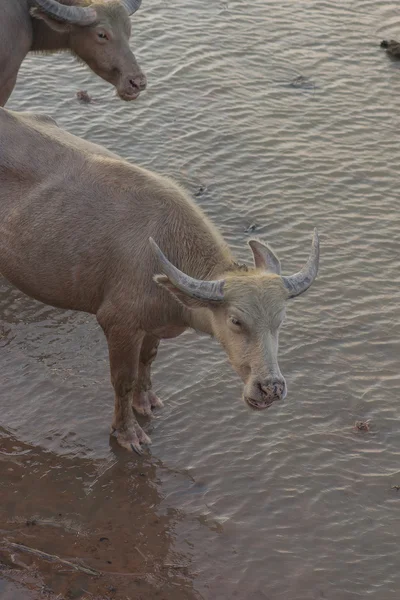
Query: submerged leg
[
  {"x": 144, "y": 399},
  {"x": 124, "y": 350}
]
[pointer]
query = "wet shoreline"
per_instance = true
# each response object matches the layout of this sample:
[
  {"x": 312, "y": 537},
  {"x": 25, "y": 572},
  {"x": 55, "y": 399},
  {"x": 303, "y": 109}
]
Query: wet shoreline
[{"x": 276, "y": 120}]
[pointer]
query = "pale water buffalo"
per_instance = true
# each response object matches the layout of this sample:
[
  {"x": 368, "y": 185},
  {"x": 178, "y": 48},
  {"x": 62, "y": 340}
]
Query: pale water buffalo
[
  {"x": 83, "y": 229},
  {"x": 96, "y": 33}
]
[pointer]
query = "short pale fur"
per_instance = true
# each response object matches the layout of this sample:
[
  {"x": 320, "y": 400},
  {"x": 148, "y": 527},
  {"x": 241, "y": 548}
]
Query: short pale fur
[{"x": 75, "y": 223}]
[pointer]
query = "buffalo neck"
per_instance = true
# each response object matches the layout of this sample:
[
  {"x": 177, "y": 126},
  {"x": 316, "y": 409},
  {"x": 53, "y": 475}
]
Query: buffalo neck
[{"x": 46, "y": 39}]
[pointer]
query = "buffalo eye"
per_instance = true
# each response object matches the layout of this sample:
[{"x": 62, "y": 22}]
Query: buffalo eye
[
  {"x": 102, "y": 35},
  {"x": 235, "y": 321}
]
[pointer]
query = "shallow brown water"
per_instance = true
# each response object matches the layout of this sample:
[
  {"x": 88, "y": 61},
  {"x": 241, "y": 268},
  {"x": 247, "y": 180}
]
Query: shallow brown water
[{"x": 285, "y": 115}]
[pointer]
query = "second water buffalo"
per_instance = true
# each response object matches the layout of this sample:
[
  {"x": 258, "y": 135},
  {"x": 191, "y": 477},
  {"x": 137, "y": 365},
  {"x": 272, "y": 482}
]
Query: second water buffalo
[{"x": 97, "y": 33}]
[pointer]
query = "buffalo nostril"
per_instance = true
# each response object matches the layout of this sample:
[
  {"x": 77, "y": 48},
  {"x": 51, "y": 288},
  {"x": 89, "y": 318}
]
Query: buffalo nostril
[
  {"x": 272, "y": 389},
  {"x": 278, "y": 388},
  {"x": 138, "y": 83}
]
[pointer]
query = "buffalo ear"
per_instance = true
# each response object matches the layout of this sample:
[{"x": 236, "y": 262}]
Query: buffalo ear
[
  {"x": 185, "y": 299},
  {"x": 264, "y": 257},
  {"x": 59, "y": 26}
]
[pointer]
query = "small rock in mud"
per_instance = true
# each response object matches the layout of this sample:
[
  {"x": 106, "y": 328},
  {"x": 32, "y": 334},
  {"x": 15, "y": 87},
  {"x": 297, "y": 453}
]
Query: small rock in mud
[
  {"x": 104, "y": 539},
  {"x": 30, "y": 522},
  {"x": 84, "y": 97},
  {"x": 361, "y": 425}
]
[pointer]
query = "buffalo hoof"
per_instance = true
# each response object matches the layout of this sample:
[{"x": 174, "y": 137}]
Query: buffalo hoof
[
  {"x": 131, "y": 438},
  {"x": 144, "y": 402},
  {"x": 141, "y": 404},
  {"x": 155, "y": 401}
]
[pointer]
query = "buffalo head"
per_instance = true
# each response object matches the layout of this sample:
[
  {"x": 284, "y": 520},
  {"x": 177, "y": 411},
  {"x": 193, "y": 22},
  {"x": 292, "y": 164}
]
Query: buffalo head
[
  {"x": 246, "y": 308},
  {"x": 98, "y": 34}
]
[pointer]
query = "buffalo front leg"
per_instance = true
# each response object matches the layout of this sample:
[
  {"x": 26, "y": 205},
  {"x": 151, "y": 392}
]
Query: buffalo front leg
[
  {"x": 7, "y": 89},
  {"x": 144, "y": 399},
  {"x": 124, "y": 350}
]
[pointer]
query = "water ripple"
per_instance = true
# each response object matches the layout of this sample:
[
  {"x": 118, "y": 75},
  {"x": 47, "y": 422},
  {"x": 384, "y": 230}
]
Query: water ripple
[{"x": 292, "y": 503}]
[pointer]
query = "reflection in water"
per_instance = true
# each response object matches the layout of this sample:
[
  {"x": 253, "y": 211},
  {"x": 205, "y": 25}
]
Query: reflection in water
[
  {"x": 292, "y": 503},
  {"x": 104, "y": 515}
]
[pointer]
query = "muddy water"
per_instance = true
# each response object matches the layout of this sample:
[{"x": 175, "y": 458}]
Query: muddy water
[{"x": 284, "y": 116}]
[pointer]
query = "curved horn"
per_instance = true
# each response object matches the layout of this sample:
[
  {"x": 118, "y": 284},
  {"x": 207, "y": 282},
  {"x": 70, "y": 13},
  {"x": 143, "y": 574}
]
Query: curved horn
[
  {"x": 195, "y": 288},
  {"x": 300, "y": 282},
  {"x": 132, "y": 5},
  {"x": 71, "y": 14}
]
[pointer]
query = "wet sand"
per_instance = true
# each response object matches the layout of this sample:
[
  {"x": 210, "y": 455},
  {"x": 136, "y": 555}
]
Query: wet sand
[{"x": 106, "y": 519}]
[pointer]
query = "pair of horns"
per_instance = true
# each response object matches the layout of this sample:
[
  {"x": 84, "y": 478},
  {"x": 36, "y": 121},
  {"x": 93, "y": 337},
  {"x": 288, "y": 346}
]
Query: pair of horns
[
  {"x": 264, "y": 258},
  {"x": 79, "y": 15}
]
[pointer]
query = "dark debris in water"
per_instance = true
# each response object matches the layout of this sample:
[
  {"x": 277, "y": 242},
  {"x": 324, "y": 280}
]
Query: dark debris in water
[
  {"x": 201, "y": 189},
  {"x": 362, "y": 425},
  {"x": 392, "y": 48},
  {"x": 302, "y": 82},
  {"x": 251, "y": 228},
  {"x": 84, "y": 97}
]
